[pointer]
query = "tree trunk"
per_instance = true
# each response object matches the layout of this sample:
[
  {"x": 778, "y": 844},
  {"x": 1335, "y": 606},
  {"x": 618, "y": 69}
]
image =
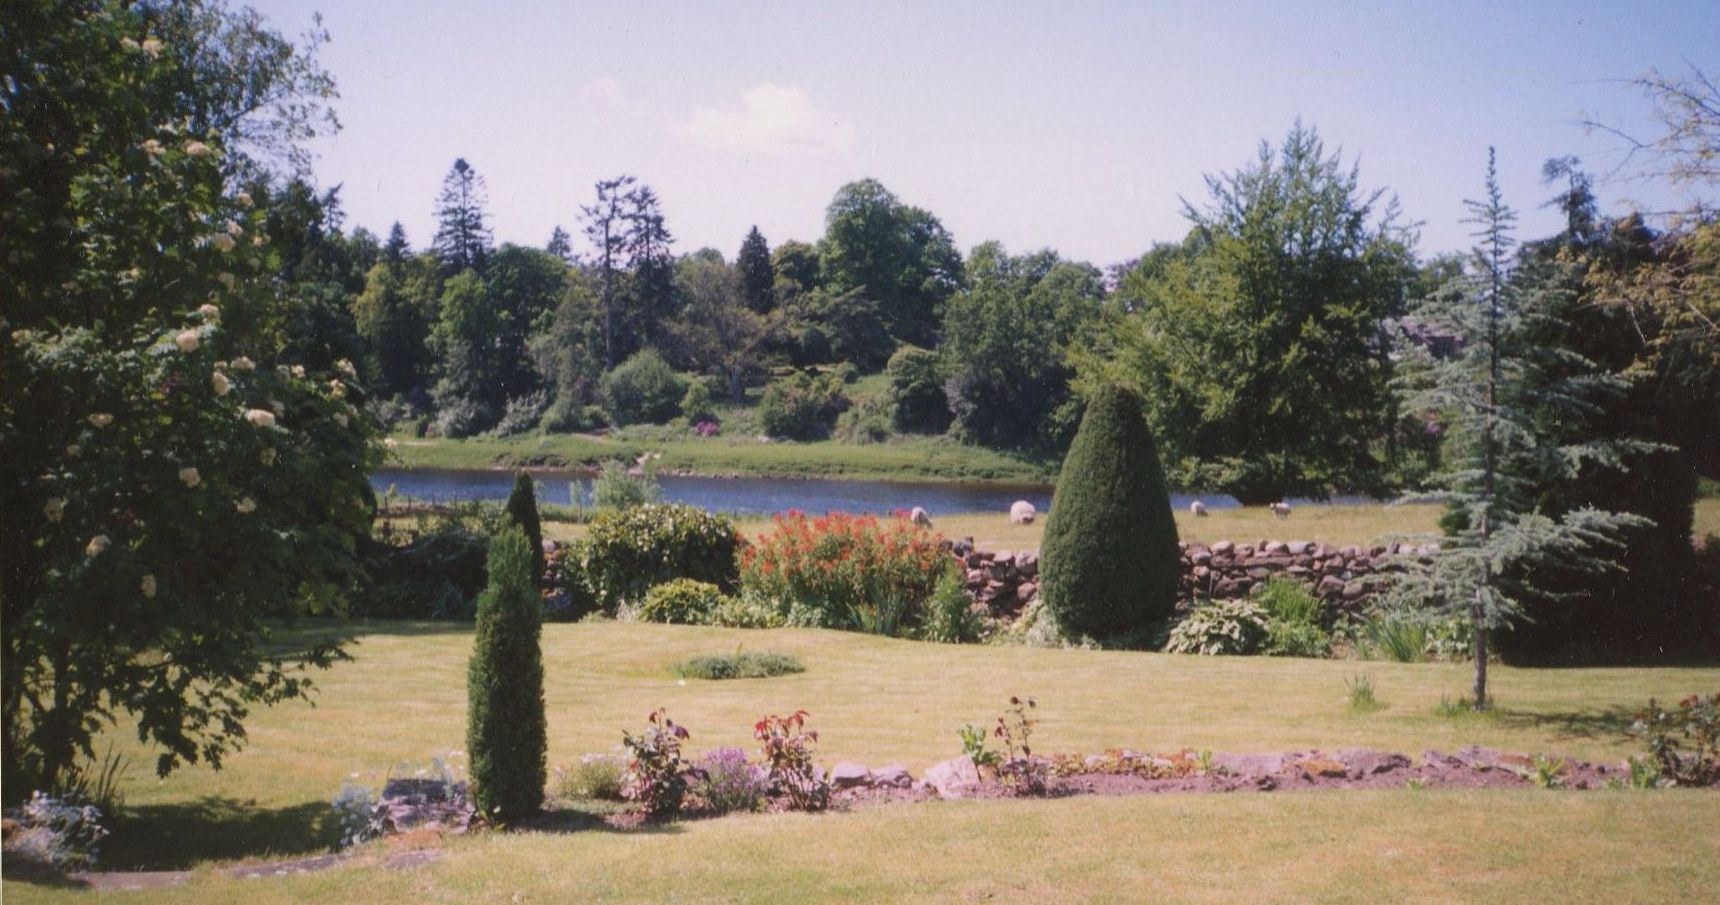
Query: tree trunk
[
  {"x": 735, "y": 391},
  {"x": 1480, "y": 654}
]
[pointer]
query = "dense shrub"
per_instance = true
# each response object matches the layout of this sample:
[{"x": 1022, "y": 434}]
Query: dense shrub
[
  {"x": 696, "y": 404},
  {"x": 747, "y": 611},
  {"x": 802, "y": 407},
  {"x": 570, "y": 596},
  {"x": 1683, "y": 741},
  {"x": 682, "y": 601},
  {"x": 844, "y": 571},
  {"x": 523, "y": 513},
  {"x": 521, "y": 414},
  {"x": 592, "y": 777},
  {"x": 627, "y": 552},
  {"x": 1220, "y": 627},
  {"x": 867, "y": 422},
  {"x": 642, "y": 389},
  {"x": 435, "y": 570},
  {"x": 739, "y": 665},
  {"x": 1293, "y": 620},
  {"x": 506, "y": 733},
  {"x": 917, "y": 389},
  {"x": 1111, "y": 564},
  {"x": 949, "y": 618}
]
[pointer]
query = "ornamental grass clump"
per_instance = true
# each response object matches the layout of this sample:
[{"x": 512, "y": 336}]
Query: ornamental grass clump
[
  {"x": 846, "y": 571},
  {"x": 1110, "y": 564},
  {"x": 506, "y": 732}
]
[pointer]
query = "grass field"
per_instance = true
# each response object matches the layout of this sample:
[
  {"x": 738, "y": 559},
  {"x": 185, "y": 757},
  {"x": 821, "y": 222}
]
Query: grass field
[{"x": 879, "y": 700}]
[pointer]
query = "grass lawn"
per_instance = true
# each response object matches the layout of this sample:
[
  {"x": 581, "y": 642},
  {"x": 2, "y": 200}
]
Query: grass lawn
[{"x": 879, "y": 700}]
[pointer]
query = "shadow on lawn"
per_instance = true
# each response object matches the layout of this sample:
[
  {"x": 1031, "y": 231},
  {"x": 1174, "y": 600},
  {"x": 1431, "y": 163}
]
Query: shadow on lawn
[
  {"x": 180, "y": 836},
  {"x": 1612, "y": 722}
]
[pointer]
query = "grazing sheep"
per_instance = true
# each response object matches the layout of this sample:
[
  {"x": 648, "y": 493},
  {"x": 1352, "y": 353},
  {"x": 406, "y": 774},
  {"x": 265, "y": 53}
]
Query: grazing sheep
[
  {"x": 1022, "y": 513},
  {"x": 1198, "y": 508},
  {"x": 920, "y": 517},
  {"x": 1280, "y": 509}
]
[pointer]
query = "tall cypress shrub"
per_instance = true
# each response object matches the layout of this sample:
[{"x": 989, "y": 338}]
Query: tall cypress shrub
[
  {"x": 523, "y": 512},
  {"x": 1110, "y": 562},
  {"x": 506, "y": 735}
]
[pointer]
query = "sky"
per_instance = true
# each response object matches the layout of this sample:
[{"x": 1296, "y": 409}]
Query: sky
[{"x": 1075, "y": 126}]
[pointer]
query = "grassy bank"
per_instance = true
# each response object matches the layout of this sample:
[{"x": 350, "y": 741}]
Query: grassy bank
[
  {"x": 879, "y": 700},
  {"x": 908, "y": 459}
]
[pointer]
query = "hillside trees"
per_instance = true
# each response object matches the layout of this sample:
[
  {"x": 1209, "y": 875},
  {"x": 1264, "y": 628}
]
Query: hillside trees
[
  {"x": 717, "y": 331},
  {"x": 1259, "y": 353},
  {"x": 899, "y": 256},
  {"x": 1005, "y": 346},
  {"x": 758, "y": 275},
  {"x": 171, "y": 475}
]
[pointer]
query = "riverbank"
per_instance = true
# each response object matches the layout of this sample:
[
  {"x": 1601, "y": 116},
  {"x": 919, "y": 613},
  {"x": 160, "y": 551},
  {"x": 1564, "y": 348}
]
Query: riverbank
[{"x": 915, "y": 459}]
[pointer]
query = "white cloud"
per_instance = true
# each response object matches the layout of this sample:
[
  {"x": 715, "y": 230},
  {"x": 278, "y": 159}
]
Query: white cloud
[
  {"x": 605, "y": 91},
  {"x": 772, "y": 119}
]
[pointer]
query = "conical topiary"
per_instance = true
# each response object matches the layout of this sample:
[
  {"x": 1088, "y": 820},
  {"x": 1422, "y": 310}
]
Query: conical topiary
[
  {"x": 522, "y": 511},
  {"x": 506, "y": 735},
  {"x": 1110, "y": 562}
]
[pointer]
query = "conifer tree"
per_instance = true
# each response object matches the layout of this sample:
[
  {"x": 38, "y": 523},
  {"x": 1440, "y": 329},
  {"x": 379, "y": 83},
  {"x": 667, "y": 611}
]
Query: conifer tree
[
  {"x": 758, "y": 276},
  {"x": 560, "y": 244},
  {"x": 462, "y": 236},
  {"x": 396, "y": 250},
  {"x": 1111, "y": 565},
  {"x": 523, "y": 513},
  {"x": 506, "y": 733},
  {"x": 1513, "y": 401}
]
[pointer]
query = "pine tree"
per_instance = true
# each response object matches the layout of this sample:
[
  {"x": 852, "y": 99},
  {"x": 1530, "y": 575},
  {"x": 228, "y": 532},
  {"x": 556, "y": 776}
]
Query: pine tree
[
  {"x": 1513, "y": 401},
  {"x": 758, "y": 276},
  {"x": 462, "y": 236},
  {"x": 560, "y": 244},
  {"x": 506, "y": 732},
  {"x": 523, "y": 513},
  {"x": 1111, "y": 564},
  {"x": 396, "y": 250},
  {"x": 606, "y": 227}
]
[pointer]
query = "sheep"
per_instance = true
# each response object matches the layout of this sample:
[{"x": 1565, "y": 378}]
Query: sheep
[
  {"x": 1197, "y": 508},
  {"x": 1280, "y": 509}
]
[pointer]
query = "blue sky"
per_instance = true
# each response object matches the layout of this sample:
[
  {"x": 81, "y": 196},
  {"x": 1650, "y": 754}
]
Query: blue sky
[{"x": 1075, "y": 126}]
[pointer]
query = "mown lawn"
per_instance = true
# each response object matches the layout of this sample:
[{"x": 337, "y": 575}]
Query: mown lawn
[{"x": 879, "y": 700}]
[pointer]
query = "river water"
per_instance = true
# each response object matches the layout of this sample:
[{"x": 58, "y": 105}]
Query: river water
[{"x": 751, "y": 496}]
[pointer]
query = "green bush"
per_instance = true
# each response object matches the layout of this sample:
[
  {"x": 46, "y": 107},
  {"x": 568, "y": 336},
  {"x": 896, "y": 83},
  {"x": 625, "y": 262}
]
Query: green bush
[
  {"x": 949, "y": 619},
  {"x": 1110, "y": 564},
  {"x": 435, "y": 570},
  {"x": 739, "y": 665},
  {"x": 696, "y": 404},
  {"x": 917, "y": 389},
  {"x": 746, "y": 611},
  {"x": 802, "y": 407},
  {"x": 1293, "y": 620},
  {"x": 1220, "y": 627},
  {"x": 642, "y": 389},
  {"x": 683, "y": 601},
  {"x": 867, "y": 422},
  {"x": 523, "y": 513},
  {"x": 627, "y": 552},
  {"x": 592, "y": 777},
  {"x": 506, "y": 734},
  {"x": 617, "y": 488}
]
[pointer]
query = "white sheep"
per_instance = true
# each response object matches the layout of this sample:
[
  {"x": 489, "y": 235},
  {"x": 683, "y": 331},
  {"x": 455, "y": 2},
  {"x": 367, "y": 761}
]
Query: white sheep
[
  {"x": 1197, "y": 508},
  {"x": 1280, "y": 509}
]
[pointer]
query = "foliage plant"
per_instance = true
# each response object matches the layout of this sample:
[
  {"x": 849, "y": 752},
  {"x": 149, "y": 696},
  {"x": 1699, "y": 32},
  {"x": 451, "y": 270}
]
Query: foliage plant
[
  {"x": 739, "y": 665},
  {"x": 1111, "y": 563},
  {"x": 506, "y": 731},
  {"x": 593, "y": 777},
  {"x": 628, "y": 552},
  {"x": 1547, "y": 771},
  {"x": 1217, "y": 627},
  {"x": 682, "y": 601},
  {"x": 1684, "y": 740},
  {"x": 1255, "y": 341},
  {"x": 656, "y": 775},
  {"x": 1360, "y": 692},
  {"x": 644, "y": 389},
  {"x": 728, "y": 782},
  {"x": 1293, "y": 626},
  {"x": 1514, "y": 400},
  {"x": 801, "y": 406},
  {"x": 53, "y": 837},
  {"x": 176, "y": 468},
  {"x": 949, "y": 617},
  {"x": 917, "y": 391},
  {"x": 973, "y": 746},
  {"x": 845, "y": 571},
  {"x": 786, "y": 745},
  {"x": 523, "y": 513}
]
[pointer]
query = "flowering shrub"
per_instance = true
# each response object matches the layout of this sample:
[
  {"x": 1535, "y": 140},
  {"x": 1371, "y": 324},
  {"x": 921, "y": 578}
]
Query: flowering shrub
[
  {"x": 727, "y": 782},
  {"x": 787, "y": 749},
  {"x": 1693, "y": 724},
  {"x": 656, "y": 776},
  {"x": 845, "y": 571},
  {"x": 53, "y": 836},
  {"x": 627, "y": 552},
  {"x": 707, "y": 428}
]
